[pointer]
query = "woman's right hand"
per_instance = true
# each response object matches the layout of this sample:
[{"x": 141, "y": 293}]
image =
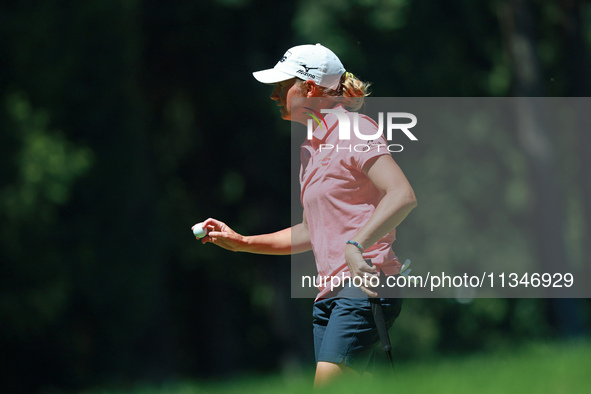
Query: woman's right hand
[{"x": 220, "y": 234}]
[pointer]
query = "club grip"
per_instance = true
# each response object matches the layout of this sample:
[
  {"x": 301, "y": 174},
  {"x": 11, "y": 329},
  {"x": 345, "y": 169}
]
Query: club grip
[{"x": 378, "y": 315}]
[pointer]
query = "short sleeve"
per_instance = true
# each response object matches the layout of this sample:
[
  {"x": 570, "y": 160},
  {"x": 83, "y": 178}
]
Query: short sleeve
[{"x": 365, "y": 150}]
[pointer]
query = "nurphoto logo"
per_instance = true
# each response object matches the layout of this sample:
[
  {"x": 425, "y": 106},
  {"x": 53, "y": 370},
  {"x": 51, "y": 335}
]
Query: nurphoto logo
[{"x": 392, "y": 119}]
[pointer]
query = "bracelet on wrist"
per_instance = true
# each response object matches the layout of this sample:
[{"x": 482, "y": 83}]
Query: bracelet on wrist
[{"x": 356, "y": 244}]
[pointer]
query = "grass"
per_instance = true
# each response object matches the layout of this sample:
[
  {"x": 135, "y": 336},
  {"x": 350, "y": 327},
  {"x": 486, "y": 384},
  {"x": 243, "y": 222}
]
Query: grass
[{"x": 535, "y": 368}]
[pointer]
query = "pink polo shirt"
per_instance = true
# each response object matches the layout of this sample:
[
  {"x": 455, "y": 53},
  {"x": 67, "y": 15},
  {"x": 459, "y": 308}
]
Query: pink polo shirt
[{"x": 338, "y": 198}]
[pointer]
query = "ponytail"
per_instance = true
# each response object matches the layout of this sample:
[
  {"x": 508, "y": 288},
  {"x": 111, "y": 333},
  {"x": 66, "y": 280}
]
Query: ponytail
[{"x": 351, "y": 91}]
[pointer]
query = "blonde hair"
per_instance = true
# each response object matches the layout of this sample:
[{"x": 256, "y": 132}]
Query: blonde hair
[{"x": 352, "y": 90}]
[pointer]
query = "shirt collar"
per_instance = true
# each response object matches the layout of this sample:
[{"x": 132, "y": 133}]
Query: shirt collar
[{"x": 324, "y": 129}]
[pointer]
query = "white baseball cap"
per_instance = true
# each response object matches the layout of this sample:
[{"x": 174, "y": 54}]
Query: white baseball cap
[{"x": 314, "y": 62}]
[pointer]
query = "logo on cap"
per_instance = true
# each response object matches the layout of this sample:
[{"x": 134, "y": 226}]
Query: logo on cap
[
  {"x": 309, "y": 68},
  {"x": 307, "y": 73},
  {"x": 284, "y": 58}
]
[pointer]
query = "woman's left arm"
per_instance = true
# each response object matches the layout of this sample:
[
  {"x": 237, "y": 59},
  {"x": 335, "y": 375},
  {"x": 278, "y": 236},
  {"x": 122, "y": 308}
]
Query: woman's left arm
[{"x": 399, "y": 199}]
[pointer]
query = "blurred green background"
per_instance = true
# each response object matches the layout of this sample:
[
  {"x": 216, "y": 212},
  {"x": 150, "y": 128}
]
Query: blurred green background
[{"x": 123, "y": 123}]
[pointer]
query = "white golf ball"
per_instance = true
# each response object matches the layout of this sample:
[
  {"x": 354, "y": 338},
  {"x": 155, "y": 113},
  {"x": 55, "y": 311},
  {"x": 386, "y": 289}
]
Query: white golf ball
[{"x": 199, "y": 232}]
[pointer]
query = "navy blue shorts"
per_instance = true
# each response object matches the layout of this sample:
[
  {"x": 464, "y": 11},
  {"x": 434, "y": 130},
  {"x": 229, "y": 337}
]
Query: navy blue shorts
[{"x": 345, "y": 331}]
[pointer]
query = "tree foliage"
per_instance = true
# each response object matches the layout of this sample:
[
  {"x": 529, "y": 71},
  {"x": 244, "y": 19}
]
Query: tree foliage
[{"x": 123, "y": 123}]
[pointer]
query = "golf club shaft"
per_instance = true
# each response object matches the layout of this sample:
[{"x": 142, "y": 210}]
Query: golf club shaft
[{"x": 378, "y": 315}]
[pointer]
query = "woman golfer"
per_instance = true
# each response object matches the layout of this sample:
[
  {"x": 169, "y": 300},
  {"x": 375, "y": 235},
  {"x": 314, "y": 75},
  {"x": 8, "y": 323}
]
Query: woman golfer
[{"x": 353, "y": 200}]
